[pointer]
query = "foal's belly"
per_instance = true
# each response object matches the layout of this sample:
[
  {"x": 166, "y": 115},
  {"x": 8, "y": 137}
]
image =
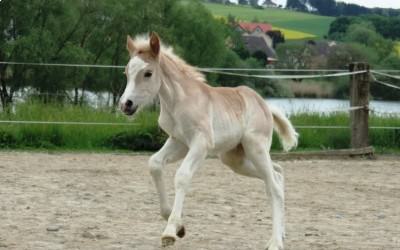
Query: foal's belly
[{"x": 226, "y": 137}]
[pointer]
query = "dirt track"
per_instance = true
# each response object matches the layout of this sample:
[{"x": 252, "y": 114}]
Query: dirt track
[{"x": 107, "y": 201}]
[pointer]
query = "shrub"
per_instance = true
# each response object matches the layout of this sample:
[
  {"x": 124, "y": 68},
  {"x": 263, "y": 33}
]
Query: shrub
[
  {"x": 7, "y": 140},
  {"x": 151, "y": 140}
]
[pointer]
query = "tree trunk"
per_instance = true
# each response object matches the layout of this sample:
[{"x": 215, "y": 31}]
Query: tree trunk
[
  {"x": 5, "y": 96},
  {"x": 76, "y": 96}
]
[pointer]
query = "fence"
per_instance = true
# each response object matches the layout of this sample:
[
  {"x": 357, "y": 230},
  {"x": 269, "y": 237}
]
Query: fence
[{"x": 360, "y": 79}]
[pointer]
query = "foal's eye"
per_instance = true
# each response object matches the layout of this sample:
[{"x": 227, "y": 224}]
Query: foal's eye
[{"x": 148, "y": 74}]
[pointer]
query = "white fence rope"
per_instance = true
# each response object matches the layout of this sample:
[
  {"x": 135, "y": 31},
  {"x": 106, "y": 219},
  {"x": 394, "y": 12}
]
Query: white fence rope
[
  {"x": 385, "y": 83},
  {"x": 353, "y": 108},
  {"x": 64, "y": 65},
  {"x": 273, "y": 70},
  {"x": 385, "y": 74},
  {"x": 282, "y": 77},
  {"x": 342, "y": 127},
  {"x": 222, "y": 71},
  {"x": 68, "y": 123},
  {"x": 135, "y": 124},
  {"x": 388, "y": 70}
]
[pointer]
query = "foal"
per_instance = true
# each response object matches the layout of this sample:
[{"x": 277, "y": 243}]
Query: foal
[{"x": 234, "y": 123}]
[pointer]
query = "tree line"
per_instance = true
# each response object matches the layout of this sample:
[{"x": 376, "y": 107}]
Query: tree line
[
  {"x": 94, "y": 32},
  {"x": 337, "y": 8}
]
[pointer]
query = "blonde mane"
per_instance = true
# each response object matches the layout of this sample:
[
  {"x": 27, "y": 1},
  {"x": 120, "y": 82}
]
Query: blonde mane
[{"x": 172, "y": 65}]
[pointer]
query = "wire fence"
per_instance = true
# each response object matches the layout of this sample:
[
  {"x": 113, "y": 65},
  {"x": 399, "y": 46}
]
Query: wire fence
[{"x": 322, "y": 73}]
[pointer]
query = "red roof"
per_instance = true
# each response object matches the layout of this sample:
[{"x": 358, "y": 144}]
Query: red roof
[{"x": 250, "y": 27}]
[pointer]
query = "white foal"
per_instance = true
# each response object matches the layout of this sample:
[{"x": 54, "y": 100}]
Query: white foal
[{"x": 234, "y": 123}]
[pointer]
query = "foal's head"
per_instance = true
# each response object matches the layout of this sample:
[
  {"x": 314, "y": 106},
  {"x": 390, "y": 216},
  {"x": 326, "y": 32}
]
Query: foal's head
[{"x": 142, "y": 73}]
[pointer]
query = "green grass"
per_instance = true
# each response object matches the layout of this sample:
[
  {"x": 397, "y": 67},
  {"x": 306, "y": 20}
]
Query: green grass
[
  {"x": 293, "y": 20},
  {"x": 385, "y": 140},
  {"x": 72, "y": 137},
  {"x": 144, "y": 135}
]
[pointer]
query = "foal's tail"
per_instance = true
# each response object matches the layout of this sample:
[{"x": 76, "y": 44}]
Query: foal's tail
[{"x": 284, "y": 128}]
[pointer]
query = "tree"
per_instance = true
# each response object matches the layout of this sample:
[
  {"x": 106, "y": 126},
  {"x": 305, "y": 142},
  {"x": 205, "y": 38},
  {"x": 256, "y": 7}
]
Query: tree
[
  {"x": 365, "y": 34},
  {"x": 294, "y": 56},
  {"x": 324, "y": 7},
  {"x": 277, "y": 37},
  {"x": 254, "y": 3},
  {"x": 296, "y": 5},
  {"x": 94, "y": 32}
]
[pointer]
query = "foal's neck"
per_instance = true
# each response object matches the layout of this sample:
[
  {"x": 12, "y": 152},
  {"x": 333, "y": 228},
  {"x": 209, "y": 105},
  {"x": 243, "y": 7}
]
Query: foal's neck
[{"x": 178, "y": 81}]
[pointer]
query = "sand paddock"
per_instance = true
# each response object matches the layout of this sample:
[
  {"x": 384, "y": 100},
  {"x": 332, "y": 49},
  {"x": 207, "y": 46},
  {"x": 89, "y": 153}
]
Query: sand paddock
[{"x": 107, "y": 201}]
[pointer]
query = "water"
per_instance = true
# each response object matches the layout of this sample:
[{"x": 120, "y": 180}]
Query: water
[
  {"x": 289, "y": 105},
  {"x": 326, "y": 106}
]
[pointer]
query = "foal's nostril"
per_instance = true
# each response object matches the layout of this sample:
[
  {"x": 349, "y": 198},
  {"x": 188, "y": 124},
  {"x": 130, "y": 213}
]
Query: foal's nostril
[{"x": 128, "y": 103}]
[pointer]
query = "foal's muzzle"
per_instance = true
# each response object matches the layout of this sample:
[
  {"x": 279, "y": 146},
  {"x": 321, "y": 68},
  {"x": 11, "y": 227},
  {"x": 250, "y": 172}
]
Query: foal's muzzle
[{"x": 129, "y": 108}]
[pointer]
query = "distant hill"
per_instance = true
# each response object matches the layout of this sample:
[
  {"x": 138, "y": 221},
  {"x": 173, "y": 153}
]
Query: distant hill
[
  {"x": 292, "y": 21},
  {"x": 338, "y": 8}
]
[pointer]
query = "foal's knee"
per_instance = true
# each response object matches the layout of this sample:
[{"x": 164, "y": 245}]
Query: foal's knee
[{"x": 155, "y": 165}]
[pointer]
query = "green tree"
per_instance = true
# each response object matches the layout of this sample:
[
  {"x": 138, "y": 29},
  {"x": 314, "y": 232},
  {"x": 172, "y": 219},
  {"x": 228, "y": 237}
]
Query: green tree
[{"x": 364, "y": 33}]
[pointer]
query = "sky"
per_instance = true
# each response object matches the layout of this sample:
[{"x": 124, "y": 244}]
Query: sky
[{"x": 368, "y": 3}]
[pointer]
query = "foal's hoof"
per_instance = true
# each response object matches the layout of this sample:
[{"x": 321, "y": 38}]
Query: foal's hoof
[
  {"x": 181, "y": 233},
  {"x": 273, "y": 245},
  {"x": 167, "y": 241}
]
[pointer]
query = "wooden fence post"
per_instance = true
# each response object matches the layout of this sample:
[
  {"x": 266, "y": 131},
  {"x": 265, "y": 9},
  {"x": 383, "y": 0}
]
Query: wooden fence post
[{"x": 359, "y": 96}]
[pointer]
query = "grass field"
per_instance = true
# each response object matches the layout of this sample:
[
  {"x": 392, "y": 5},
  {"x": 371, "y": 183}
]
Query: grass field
[
  {"x": 75, "y": 137},
  {"x": 286, "y": 19},
  {"x": 143, "y": 133}
]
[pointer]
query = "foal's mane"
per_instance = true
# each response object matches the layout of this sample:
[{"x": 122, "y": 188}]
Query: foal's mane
[{"x": 172, "y": 65}]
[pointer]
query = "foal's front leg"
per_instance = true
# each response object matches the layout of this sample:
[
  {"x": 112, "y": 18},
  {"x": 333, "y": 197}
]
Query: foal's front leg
[
  {"x": 196, "y": 155},
  {"x": 172, "y": 151}
]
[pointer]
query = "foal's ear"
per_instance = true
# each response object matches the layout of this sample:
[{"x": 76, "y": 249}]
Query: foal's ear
[
  {"x": 130, "y": 46},
  {"x": 154, "y": 43}
]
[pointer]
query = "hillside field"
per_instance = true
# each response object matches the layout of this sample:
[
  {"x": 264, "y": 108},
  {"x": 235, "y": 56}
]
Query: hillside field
[{"x": 292, "y": 21}]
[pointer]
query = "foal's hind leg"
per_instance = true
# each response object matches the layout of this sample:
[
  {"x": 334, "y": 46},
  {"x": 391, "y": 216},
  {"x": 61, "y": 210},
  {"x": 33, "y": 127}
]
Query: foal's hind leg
[
  {"x": 256, "y": 150},
  {"x": 236, "y": 160}
]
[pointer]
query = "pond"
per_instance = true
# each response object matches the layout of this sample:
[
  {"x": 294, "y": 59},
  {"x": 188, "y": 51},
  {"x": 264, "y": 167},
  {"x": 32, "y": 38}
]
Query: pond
[{"x": 326, "y": 106}]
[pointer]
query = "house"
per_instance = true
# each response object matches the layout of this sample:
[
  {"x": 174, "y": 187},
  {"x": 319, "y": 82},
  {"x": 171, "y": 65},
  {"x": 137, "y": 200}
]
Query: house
[
  {"x": 269, "y": 4},
  {"x": 258, "y": 46},
  {"x": 253, "y": 28},
  {"x": 256, "y": 40}
]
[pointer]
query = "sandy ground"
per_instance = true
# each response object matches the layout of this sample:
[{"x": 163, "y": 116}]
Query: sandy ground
[{"x": 107, "y": 201}]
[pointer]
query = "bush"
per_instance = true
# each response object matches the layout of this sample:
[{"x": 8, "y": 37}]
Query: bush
[
  {"x": 151, "y": 140},
  {"x": 7, "y": 140}
]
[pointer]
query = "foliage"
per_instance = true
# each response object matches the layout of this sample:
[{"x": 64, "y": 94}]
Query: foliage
[
  {"x": 387, "y": 26},
  {"x": 346, "y": 53},
  {"x": 294, "y": 56},
  {"x": 365, "y": 34},
  {"x": 299, "y": 5},
  {"x": 397, "y": 48}
]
